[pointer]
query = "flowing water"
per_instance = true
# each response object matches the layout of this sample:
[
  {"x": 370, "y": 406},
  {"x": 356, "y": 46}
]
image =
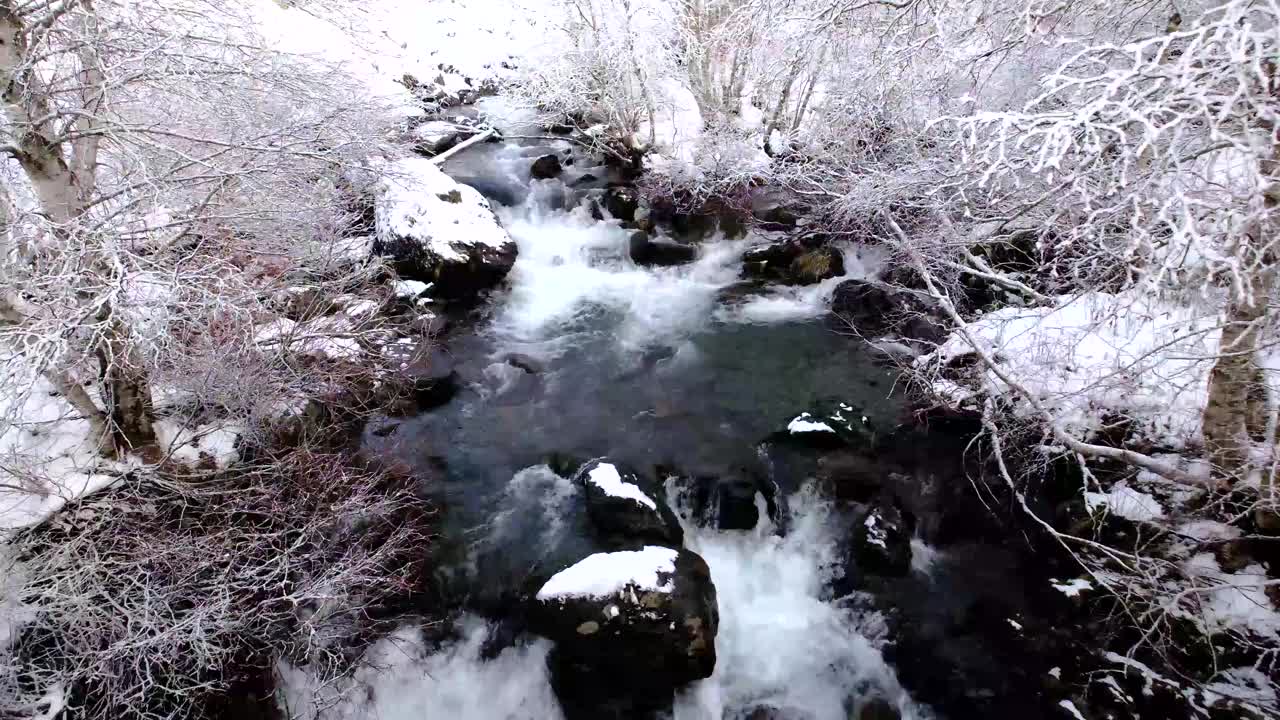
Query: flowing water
[{"x": 649, "y": 367}]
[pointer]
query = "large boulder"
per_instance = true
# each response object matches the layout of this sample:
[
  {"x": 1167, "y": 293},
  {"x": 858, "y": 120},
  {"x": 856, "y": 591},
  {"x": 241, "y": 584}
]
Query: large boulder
[
  {"x": 796, "y": 261},
  {"x": 647, "y": 250},
  {"x": 622, "y": 202},
  {"x": 877, "y": 309},
  {"x": 623, "y": 509},
  {"x": 546, "y": 167},
  {"x": 436, "y": 230},
  {"x": 436, "y": 136},
  {"x": 628, "y": 624}
]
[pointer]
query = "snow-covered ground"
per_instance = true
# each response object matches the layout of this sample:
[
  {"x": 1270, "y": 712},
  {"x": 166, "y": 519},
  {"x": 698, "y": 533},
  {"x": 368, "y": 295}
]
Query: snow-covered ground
[{"x": 1093, "y": 356}]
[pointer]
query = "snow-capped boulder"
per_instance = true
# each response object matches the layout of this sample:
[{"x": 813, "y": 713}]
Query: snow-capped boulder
[
  {"x": 641, "y": 620},
  {"x": 877, "y": 310},
  {"x": 882, "y": 541},
  {"x": 623, "y": 508},
  {"x": 439, "y": 231},
  {"x": 648, "y": 250},
  {"x": 436, "y": 136}
]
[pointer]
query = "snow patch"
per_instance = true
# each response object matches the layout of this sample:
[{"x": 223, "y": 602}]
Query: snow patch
[
  {"x": 1094, "y": 355},
  {"x": 607, "y": 478},
  {"x": 605, "y": 574},
  {"x": 803, "y": 423},
  {"x": 1072, "y": 588},
  {"x": 1126, "y": 502}
]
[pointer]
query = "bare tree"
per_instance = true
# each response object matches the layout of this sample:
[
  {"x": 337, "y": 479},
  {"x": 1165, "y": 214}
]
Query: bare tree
[{"x": 157, "y": 146}]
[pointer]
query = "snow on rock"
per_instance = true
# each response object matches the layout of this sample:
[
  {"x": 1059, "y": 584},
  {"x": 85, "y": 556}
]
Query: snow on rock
[
  {"x": 1126, "y": 502},
  {"x": 437, "y": 230},
  {"x": 612, "y": 573},
  {"x": 804, "y": 423},
  {"x": 621, "y": 510},
  {"x": 1098, "y": 354},
  {"x": 605, "y": 476},
  {"x": 1072, "y": 588},
  {"x": 410, "y": 289}
]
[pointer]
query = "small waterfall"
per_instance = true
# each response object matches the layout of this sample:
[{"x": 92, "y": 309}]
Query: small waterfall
[{"x": 784, "y": 645}]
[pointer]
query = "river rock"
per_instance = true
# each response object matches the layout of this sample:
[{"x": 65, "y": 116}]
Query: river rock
[
  {"x": 882, "y": 541},
  {"x": 828, "y": 425},
  {"x": 623, "y": 509},
  {"x": 622, "y": 203},
  {"x": 639, "y": 621},
  {"x": 427, "y": 369},
  {"x": 797, "y": 261},
  {"x": 438, "y": 231},
  {"x": 546, "y": 167},
  {"x": 877, "y": 309},
  {"x": 436, "y": 136},
  {"x": 646, "y": 250}
]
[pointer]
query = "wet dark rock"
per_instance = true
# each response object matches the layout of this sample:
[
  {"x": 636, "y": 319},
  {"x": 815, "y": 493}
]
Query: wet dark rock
[
  {"x": 794, "y": 262},
  {"x": 546, "y": 167},
  {"x": 829, "y": 425},
  {"x": 431, "y": 374},
  {"x": 876, "y": 309},
  {"x": 429, "y": 324},
  {"x": 736, "y": 504},
  {"x": 645, "y": 250},
  {"x": 481, "y": 267},
  {"x": 526, "y": 363},
  {"x": 622, "y": 203},
  {"x": 625, "y": 653},
  {"x": 740, "y": 292},
  {"x": 584, "y": 179},
  {"x": 882, "y": 541},
  {"x": 878, "y": 709},
  {"x": 625, "y": 510}
]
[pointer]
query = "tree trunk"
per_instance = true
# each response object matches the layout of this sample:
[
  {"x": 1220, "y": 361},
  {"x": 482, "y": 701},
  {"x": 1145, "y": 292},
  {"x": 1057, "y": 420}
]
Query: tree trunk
[
  {"x": 1231, "y": 382},
  {"x": 61, "y": 192},
  {"x": 126, "y": 388}
]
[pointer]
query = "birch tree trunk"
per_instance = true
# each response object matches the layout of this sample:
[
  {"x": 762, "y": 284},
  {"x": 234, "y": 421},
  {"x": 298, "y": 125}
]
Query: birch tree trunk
[{"x": 62, "y": 194}]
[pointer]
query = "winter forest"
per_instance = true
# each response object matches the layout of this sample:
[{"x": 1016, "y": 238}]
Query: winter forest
[{"x": 639, "y": 359}]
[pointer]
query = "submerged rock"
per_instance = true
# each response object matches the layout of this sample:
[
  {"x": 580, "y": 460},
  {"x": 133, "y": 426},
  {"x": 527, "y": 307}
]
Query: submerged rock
[
  {"x": 646, "y": 250},
  {"x": 623, "y": 510},
  {"x": 436, "y": 230},
  {"x": 630, "y": 628}
]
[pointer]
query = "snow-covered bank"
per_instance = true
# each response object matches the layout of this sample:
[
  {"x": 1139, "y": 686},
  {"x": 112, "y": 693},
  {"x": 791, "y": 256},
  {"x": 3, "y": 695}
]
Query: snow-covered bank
[{"x": 1092, "y": 358}]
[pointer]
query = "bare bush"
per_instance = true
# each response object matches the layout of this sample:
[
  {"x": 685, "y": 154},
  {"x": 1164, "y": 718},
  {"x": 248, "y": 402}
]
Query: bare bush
[{"x": 155, "y": 597}]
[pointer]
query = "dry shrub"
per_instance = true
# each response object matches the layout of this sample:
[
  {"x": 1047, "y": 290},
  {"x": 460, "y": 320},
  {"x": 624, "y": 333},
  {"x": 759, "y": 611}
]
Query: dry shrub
[{"x": 156, "y": 598}]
